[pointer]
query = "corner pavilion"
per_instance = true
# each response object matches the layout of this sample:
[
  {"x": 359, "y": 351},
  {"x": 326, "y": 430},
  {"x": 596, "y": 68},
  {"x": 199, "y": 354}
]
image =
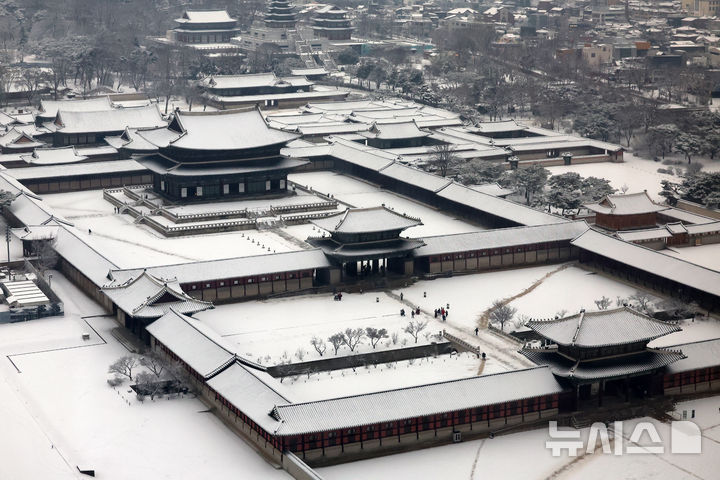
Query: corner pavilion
[{"x": 604, "y": 352}]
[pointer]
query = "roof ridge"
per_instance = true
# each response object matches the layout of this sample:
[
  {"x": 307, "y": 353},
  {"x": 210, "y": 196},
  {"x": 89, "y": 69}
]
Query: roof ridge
[
  {"x": 412, "y": 387},
  {"x": 692, "y": 343}
]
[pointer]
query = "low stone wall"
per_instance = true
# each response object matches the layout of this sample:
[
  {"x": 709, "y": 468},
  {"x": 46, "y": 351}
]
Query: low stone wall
[
  {"x": 697, "y": 208},
  {"x": 361, "y": 359}
]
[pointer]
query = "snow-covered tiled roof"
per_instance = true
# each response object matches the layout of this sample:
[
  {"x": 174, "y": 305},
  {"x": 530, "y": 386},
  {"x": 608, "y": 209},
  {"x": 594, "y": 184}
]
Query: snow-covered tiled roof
[
  {"x": 366, "y": 220},
  {"x": 686, "y": 217},
  {"x": 205, "y": 16},
  {"x": 650, "y": 261},
  {"x": 71, "y": 170},
  {"x": 232, "y": 267},
  {"x": 607, "y": 368},
  {"x": 114, "y": 120},
  {"x": 395, "y": 131},
  {"x": 49, "y": 108},
  {"x": 701, "y": 354},
  {"x": 82, "y": 256},
  {"x": 226, "y": 130},
  {"x": 645, "y": 234},
  {"x": 603, "y": 328},
  {"x": 431, "y": 399},
  {"x": 497, "y": 206},
  {"x": 146, "y": 296},
  {"x": 193, "y": 342},
  {"x": 37, "y": 232},
  {"x": 54, "y": 156},
  {"x": 243, "y": 388},
  {"x": 630, "y": 204},
  {"x": 500, "y": 237},
  {"x": 415, "y": 177},
  {"x": 493, "y": 189},
  {"x": 499, "y": 126},
  {"x": 703, "y": 228}
]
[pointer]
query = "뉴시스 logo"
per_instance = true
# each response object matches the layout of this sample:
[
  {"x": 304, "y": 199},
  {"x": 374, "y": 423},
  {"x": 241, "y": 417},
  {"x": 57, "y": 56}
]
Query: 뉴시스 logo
[{"x": 685, "y": 437}]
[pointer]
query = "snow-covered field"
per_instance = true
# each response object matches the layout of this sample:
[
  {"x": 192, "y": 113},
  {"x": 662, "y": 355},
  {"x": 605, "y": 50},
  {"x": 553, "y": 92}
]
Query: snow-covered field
[
  {"x": 705, "y": 255},
  {"x": 570, "y": 288},
  {"x": 272, "y": 331},
  {"x": 130, "y": 245},
  {"x": 59, "y": 412},
  {"x": 524, "y": 455},
  {"x": 361, "y": 194},
  {"x": 637, "y": 173}
]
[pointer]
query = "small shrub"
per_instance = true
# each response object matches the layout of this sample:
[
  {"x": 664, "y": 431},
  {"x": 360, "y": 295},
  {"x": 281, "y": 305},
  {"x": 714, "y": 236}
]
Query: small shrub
[{"x": 115, "y": 381}]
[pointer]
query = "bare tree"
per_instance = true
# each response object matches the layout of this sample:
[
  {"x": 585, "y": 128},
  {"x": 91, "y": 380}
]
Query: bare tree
[
  {"x": 444, "y": 158},
  {"x": 353, "y": 337},
  {"x": 375, "y": 335},
  {"x": 501, "y": 313},
  {"x": 414, "y": 328},
  {"x": 154, "y": 363},
  {"x": 319, "y": 345},
  {"x": 336, "y": 341},
  {"x": 45, "y": 252},
  {"x": 642, "y": 300},
  {"x": 300, "y": 354},
  {"x": 603, "y": 303},
  {"x": 147, "y": 384},
  {"x": 124, "y": 366}
]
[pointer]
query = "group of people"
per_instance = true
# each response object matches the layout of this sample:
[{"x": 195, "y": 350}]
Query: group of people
[
  {"x": 413, "y": 312},
  {"x": 442, "y": 312}
]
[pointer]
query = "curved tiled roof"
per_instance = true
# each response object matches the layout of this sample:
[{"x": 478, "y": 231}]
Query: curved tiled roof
[
  {"x": 366, "y": 220},
  {"x": 603, "y": 328}
]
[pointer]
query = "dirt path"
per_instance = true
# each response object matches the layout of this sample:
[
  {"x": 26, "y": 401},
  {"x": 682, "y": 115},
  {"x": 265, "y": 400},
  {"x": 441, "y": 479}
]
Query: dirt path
[
  {"x": 477, "y": 457},
  {"x": 485, "y": 316}
]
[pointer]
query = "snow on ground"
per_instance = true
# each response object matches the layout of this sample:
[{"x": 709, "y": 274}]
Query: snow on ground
[
  {"x": 272, "y": 331},
  {"x": 61, "y": 409},
  {"x": 524, "y": 455},
  {"x": 362, "y": 194},
  {"x": 571, "y": 289},
  {"x": 23, "y": 434},
  {"x": 130, "y": 245},
  {"x": 707, "y": 256},
  {"x": 470, "y": 295},
  {"x": 637, "y": 173},
  {"x": 521, "y": 455},
  {"x": 659, "y": 466},
  {"x": 386, "y": 376}
]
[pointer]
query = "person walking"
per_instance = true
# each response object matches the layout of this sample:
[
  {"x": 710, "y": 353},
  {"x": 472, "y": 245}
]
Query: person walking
[{"x": 476, "y": 331}]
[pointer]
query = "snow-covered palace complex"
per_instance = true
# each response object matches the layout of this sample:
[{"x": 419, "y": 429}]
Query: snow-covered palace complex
[{"x": 233, "y": 243}]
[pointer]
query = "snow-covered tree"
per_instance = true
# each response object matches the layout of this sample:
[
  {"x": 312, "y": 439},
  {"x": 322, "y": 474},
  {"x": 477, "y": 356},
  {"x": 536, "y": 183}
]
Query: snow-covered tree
[
  {"x": 319, "y": 345},
  {"x": 375, "y": 335},
  {"x": 501, "y": 313},
  {"x": 352, "y": 337},
  {"x": 336, "y": 341},
  {"x": 414, "y": 328},
  {"x": 124, "y": 366}
]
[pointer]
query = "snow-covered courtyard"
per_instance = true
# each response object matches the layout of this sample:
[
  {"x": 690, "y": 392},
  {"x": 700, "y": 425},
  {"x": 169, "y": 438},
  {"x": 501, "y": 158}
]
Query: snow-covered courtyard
[
  {"x": 636, "y": 173},
  {"x": 58, "y": 405},
  {"x": 271, "y": 332},
  {"x": 130, "y": 245}
]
